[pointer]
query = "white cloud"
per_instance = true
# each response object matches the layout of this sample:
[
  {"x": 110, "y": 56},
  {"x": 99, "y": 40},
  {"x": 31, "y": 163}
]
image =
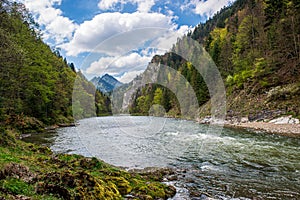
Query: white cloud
[
  {"x": 35, "y": 6},
  {"x": 142, "y": 5},
  {"x": 61, "y": 28},
  {"x": 118, "y": 33},
  {"x": 129, "y": 76},
  {"x": 145, "y": 5},
  {"x": 57, "y": 27},
  {"x": 206, "y": 8},
  {"x": 119, "y": 65},
  {"x": 164, "y": 42},
  {"x": 108, "y": 4},
  {"x": 112, "y": 34}
]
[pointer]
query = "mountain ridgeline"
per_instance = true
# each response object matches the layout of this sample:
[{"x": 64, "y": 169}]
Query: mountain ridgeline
[
  {"x": 36, "y": 83},
  {"x": 256, "y": 46},
  {"x": 106, "y": 83}
]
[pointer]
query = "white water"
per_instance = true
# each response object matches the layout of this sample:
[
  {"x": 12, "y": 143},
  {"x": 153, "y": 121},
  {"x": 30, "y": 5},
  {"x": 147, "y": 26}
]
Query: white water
[{"x": 227, "y": 165}]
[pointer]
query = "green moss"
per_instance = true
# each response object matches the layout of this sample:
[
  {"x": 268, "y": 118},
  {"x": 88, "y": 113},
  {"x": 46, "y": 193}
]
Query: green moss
[
  {"x": 69, "y": 176},
  {"x": 16, "y": 186},
  {"x": 122, "y": 184}
]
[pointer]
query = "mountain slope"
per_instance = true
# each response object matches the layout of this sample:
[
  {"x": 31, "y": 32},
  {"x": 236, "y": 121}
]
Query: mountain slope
[
  {"x": 36, "y": 83},
  {"x": 256, "y": 47},
  {"x": 106, "y": 83}
]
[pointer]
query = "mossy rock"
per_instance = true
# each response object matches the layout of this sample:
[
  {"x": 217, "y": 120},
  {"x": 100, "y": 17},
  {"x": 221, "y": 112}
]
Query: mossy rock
[
  {"x": 62, "y": 176},
  {"x": 79, "y": 185},
  {"x": 17, "y": 171},
  {"x": 91, "y": 163},
  {"x": 122, "y": 184}
]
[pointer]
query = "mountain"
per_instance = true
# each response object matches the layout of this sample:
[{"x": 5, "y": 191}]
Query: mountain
[
  {"x": 106, "y": 83},
  {"x": 255, "y": 46}
]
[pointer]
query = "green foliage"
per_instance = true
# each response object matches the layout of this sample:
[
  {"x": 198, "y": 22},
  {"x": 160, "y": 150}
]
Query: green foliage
[
  {"x": 260, "y": 68},
  {"x": 255, "y": 45},
  {"x": 158, "y": 96},
  {"x": 17, "y": 187},
  {"x": 34, "y": 81},
  {"x": 229, "y": 80}
]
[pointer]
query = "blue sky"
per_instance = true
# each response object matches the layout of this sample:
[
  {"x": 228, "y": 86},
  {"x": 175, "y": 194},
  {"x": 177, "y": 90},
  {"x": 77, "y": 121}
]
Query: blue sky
[{"x": 118, "y": 37}]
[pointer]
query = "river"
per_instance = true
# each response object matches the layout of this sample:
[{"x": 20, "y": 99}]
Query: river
[{"x": 226, "y": 164}]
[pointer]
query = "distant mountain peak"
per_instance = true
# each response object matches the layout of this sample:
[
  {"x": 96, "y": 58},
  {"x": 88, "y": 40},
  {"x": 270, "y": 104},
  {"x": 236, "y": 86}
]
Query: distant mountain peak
[{"x": 106, "y": 83}]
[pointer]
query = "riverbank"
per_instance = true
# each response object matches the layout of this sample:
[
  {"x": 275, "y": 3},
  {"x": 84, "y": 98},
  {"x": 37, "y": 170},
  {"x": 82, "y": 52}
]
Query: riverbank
[
  {"x": 289, "y": 130},
  {"x": 260, "y": 156},
  {"x": 31, "y": 171},
  {"x": 283, "y": 125}
]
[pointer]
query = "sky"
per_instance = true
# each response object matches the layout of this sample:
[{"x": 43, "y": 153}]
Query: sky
[{"x": 118, "y": 37}]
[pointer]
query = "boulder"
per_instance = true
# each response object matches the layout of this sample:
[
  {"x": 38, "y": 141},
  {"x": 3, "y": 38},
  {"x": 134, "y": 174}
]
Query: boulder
[
  {"x": 244, "y": 120},
  {"x": 285, "y": 120}
]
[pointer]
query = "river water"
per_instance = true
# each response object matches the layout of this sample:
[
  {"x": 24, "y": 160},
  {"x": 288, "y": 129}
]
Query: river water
[{"x": 224, "y": 163}]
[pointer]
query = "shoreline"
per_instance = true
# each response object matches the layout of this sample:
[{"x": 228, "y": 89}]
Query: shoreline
[
  {"x": 288, "y": 130},
  {"x": 38, "y": 171}
]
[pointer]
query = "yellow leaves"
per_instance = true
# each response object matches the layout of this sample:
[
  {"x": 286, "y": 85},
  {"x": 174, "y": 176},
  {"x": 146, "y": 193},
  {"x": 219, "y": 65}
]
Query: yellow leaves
[
  {"x": 218, "y": 35},
  {"x": 158, "y": 95},
  {"x": 169, "y": 77},
  {"x": 260, "y": 67},
  {"x": 189, "y": 65}
]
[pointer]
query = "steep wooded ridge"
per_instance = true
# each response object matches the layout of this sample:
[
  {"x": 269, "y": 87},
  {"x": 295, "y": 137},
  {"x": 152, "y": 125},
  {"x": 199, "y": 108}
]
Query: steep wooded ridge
[
  {"x": 256, "y": 47},
  {"x": 36, "y": 83}
]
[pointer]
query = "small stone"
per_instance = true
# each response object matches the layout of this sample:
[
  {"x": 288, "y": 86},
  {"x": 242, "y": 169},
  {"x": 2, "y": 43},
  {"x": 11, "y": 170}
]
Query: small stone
[
  {"x": 281, "y": 120},
  {"x": 244, "y": 120}
]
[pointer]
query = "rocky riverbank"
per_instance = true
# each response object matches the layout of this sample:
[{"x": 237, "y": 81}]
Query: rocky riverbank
[
  {"x": 30, "y": 171},
  {"x": 282, "y": 125},
  {"x": 290, "y": 130}
]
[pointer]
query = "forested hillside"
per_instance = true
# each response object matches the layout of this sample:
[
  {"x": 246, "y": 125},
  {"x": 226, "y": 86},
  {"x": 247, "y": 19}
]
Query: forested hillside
[
  {"x": 36, "y": 82},
  {"x": 36, "y": 90},
  {"x": 256, "y": 47}
]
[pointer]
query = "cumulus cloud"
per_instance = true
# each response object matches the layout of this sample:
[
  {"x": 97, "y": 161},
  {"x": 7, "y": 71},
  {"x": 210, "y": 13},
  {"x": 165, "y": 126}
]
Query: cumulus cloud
[
  {"x": 56, "y": 26},
  {"x": 164, "y": 42},
  {"x": 129, "y": 76},
  {"x": 108, "y": 4},
  {"x": 142, "y": 5},
  {"x": 134, "y": 63},
  {"x": 119, "y": 65},
  {"x": 206, "y": 8},
  {"x": 111, "y": 34},
  {"x": 145, "y": 5},
  {"x": 117, "y": 33},
  {"x": 39, "y": 5}
]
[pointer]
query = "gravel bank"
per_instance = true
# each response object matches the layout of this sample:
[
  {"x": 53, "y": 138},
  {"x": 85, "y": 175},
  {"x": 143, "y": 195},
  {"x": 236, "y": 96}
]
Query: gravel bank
[{"x": 291, "y": 130}]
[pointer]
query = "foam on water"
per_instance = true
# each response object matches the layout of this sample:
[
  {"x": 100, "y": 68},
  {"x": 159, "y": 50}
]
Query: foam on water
[{"x": 227, "y": 164}]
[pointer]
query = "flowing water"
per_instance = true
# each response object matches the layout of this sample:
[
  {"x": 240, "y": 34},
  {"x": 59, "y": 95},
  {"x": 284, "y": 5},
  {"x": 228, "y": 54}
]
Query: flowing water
[{"x": 226, "y": 164}]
